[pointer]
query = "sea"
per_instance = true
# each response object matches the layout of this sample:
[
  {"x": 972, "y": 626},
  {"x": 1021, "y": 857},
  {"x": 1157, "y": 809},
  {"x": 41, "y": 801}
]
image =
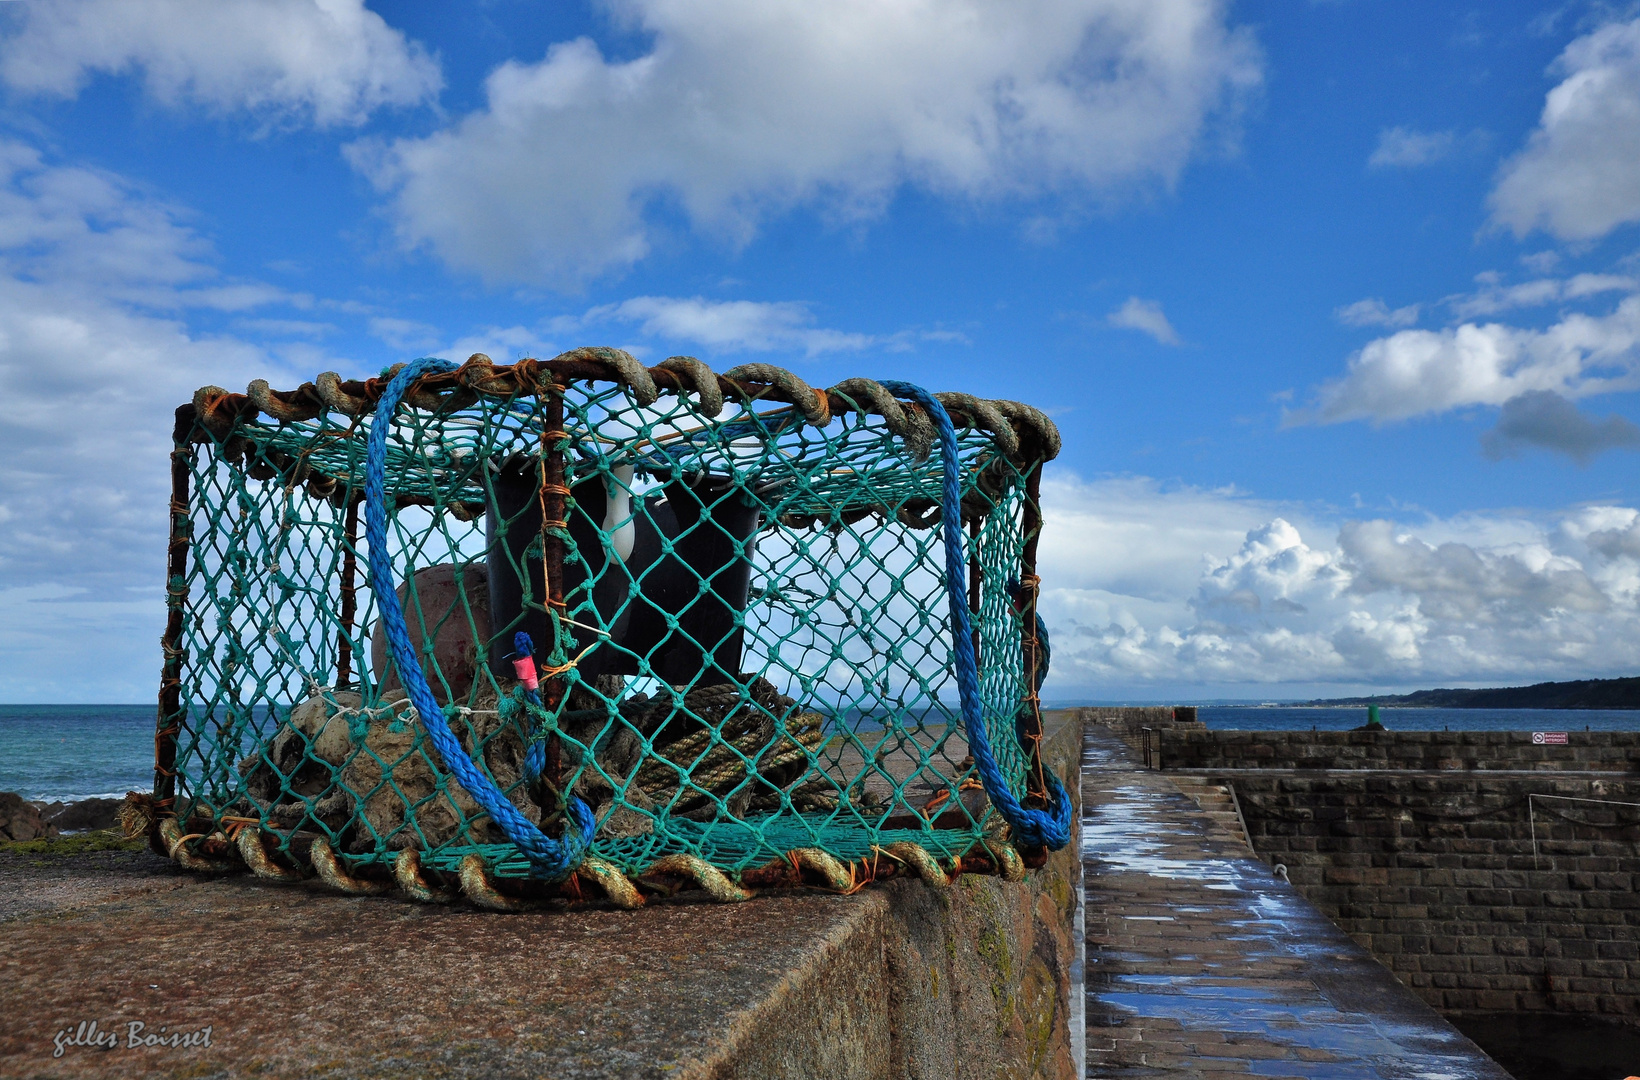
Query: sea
[
  {"x": 63, "y": 753},
  {"x": 70, "y": 752}
]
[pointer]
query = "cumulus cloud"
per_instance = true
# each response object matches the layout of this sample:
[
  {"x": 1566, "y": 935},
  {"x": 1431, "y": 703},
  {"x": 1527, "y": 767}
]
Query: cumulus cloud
[
  {"x": 1375, "y": 312},
  {"x": 1575, "y": 178},
  {"x": 1418, "y": 372},
  {"x": 1544, "y": 419},
  {"x": 330, "y": 62},
  {"x": 1163, "y": 588},
  {"x": 744, "y": 108},
  {"x": 1401, "y": 147},
  {"x": 1145, "y": 316}
]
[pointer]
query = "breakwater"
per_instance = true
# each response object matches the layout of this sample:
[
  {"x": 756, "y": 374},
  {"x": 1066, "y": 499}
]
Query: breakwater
[{"x": 1498, "y": 877}]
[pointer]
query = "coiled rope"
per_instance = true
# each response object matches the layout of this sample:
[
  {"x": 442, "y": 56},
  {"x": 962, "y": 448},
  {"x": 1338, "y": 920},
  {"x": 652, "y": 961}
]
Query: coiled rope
[
  {"x": 550, "y": 859},
  {"x": 1049, "y": 828}
]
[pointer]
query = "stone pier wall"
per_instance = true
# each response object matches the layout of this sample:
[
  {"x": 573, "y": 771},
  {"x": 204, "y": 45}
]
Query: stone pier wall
[
  {"x": 1435, "y": 874},
  {"x": 1428, "y": 751},
  {"x": 900, "y": 981},
  {"x": 1420, "y": 846}
]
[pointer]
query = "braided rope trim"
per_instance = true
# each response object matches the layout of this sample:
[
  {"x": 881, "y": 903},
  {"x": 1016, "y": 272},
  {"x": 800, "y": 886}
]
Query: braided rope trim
[
  {"x": 799, "y": 868},
  {"x": 1018, "y": 429}
]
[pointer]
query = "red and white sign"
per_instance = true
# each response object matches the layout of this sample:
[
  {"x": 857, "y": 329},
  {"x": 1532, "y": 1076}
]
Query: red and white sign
[{"x": 1548, "y": 738}]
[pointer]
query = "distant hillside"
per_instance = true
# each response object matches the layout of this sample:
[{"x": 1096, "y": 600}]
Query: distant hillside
[{"x": 1583, "y": 694}]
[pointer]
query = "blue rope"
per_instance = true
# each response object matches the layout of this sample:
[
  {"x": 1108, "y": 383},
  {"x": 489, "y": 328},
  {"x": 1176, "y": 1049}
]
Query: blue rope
[
  {"x": 550, "y": 859},
  {"x": 1049, "y": 828}
]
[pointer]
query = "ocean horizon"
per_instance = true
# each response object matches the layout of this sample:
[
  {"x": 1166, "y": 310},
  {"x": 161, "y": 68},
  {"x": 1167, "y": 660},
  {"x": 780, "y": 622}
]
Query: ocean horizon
[{"x": 64, "y": 753}]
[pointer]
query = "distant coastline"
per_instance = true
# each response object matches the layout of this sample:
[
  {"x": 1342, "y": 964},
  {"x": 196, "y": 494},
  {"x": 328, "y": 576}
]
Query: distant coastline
[{"x": 1582, "y": 694}]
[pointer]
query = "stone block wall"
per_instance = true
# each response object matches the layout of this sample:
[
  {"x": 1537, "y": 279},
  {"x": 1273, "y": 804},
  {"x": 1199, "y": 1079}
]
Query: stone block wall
[
  {"x": 1195, "y": 749},
  {"x": 1435, "y": 873}
]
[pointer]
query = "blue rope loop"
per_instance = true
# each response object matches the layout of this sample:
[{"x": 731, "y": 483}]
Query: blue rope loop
[
  {"x": 1050, "y": 828},
  {"x": 552, "y": 860}
]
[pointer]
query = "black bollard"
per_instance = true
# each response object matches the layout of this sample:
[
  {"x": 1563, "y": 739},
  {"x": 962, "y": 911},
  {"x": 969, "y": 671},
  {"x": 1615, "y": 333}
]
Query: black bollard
[{"x": 712, "y": 525}]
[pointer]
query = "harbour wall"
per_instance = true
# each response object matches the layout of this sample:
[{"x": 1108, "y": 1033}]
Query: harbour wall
[{"x": 1489, "y": 873}]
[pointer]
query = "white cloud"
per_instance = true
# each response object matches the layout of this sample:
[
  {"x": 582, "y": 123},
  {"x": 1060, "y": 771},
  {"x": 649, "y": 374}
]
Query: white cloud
[
  {"x": 1145, "y": 316},
  {"x": 1375, "y": 312},
  {"x": 94, "y": 363},
  {"x": 1417, "y": 372},
  {"x": 1581, "y": 285},
  {"x": 1495, "y": 298},
  {"x": 1401, "y": 147},
  {"x": 1576, "y": 177},
  {"x": 503, "y": 344},
  {"x": 1541, "y": 262},
  {"x": 328, "y": 61},
  {"x": 730, "y": 325},
  {"x": 404, "y": 333},
  {"x": 721, "y": 327},
  {"x": 1170, "y": 589},
  {"x": 744, "y": 108}
]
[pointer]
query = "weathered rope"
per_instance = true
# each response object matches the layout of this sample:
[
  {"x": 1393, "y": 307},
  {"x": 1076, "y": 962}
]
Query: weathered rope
[
  {"x": 1032, "y": 828},
  {"x": 706, "y": 384},
  {"x": 708, "y": 877},
  {"x": 255, "y": 854},
  {"x": 333, "y": 873},
  {"x": 407, "y": 875},
  {"x": 918, "y": 437},
  {"x": 549, "y": 859},
  {"x": 811, "y": 403}
]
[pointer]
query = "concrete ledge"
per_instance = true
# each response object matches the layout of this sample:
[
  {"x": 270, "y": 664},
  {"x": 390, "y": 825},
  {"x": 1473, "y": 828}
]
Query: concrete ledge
[{"x": 900, "y": 980}]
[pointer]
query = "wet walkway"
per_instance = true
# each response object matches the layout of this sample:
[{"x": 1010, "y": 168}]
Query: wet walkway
[{"x": 1202, "y": 963}]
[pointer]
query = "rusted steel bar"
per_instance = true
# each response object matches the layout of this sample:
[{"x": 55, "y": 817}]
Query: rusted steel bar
[
  {"x": 350, "y": 570},
  {"x": 168, "y": 722},
  {"x": 1036, "y": 784},
  {"x": 976, "y": 580},
  {"x": 554, "y": 526}
]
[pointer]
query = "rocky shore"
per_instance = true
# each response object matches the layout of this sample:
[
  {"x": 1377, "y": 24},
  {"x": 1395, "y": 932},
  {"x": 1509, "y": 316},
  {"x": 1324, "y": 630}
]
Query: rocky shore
[{"x": 22, "y": 820}]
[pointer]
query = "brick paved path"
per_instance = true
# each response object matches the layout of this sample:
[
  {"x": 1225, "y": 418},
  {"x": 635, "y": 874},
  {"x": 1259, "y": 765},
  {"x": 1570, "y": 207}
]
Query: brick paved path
[{"x": 1202, "y": 963}]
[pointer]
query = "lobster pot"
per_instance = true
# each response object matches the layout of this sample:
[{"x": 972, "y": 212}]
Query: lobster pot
[{"x": 735, "y": 588}]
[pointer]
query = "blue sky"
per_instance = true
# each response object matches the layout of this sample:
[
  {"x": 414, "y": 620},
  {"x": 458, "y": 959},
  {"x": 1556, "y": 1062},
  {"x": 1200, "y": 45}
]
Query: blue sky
[{"x": 1337, "y": 304}]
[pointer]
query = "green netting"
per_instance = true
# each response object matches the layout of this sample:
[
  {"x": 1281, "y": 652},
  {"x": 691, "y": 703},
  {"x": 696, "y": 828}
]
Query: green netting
[{"x": 748, "y": 611}]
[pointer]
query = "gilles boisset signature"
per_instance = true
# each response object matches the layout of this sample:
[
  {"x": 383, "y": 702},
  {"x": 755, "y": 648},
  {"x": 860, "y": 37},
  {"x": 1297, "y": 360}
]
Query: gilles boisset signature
[{"x": 136, "y": 1036}]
